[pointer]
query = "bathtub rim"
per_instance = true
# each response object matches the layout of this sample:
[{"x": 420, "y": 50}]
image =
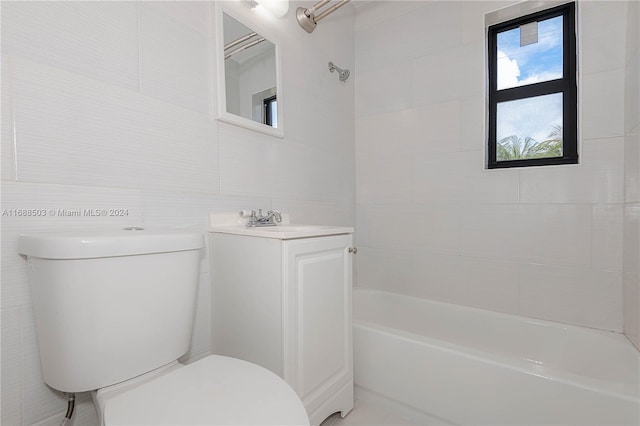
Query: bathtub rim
[{"x": 518, "y": 364}]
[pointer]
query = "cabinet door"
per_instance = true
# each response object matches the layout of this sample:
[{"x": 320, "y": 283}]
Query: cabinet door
[{"x": 317, "y": 326}]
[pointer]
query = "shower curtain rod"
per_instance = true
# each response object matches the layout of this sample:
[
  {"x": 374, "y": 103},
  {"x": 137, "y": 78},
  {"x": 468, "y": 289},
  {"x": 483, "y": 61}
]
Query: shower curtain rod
[
  {"x": 307, "y": 18},
  {"x": 241, "y": 48},
  {"x": 239, "y": 40}
]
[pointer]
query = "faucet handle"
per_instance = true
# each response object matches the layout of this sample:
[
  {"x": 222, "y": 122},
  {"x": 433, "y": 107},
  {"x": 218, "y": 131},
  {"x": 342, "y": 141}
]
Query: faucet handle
[{"x": 253, "y": 220}]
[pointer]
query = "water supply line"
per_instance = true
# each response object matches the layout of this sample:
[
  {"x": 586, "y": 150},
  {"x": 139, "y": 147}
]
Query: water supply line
[
  {"x": 71, "y": 403},
  {"x": 307, "y": 17}
]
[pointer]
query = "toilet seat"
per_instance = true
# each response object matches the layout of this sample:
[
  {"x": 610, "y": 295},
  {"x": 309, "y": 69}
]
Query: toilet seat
[{"x": 215, "y": 390}]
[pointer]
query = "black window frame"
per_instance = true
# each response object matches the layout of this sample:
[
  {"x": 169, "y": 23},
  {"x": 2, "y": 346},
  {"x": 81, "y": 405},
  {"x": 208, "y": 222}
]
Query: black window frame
[
  {"x": 567, "y": 85},
  {"x": 268, "y": 109}
]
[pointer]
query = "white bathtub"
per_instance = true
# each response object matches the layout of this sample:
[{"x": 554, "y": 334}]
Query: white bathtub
[{"x": 449, "y": 364}]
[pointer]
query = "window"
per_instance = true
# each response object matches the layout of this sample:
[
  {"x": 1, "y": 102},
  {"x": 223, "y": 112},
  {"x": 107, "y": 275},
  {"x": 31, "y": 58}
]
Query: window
[
  {"x": 533, "y": 90},
  {"x": 271, "y": 111},
  {"x": 264, "y": 106}
]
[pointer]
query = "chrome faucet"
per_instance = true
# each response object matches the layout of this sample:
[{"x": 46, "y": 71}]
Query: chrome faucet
[{"x": 270, "y": 219}]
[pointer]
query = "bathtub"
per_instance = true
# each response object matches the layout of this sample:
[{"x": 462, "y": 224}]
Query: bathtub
[{"x": 447, "y": 364}]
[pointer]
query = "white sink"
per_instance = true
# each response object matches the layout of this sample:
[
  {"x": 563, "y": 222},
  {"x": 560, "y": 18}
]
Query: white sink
[{"x": 285, "y": 231}]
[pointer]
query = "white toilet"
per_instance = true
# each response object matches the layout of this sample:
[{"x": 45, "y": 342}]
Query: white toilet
[{"x": 114, "y": 312}]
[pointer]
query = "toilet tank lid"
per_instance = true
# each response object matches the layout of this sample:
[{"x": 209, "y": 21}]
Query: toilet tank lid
[{"x": 106, "y": 243}]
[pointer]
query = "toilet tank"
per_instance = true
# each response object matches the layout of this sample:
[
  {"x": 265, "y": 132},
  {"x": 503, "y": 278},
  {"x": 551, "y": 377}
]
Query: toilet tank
[{"x": 110, "y": 305}]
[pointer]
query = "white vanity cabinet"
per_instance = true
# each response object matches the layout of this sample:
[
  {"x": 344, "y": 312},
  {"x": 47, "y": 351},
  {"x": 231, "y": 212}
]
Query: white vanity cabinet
[{"x": 285, "y": 304}]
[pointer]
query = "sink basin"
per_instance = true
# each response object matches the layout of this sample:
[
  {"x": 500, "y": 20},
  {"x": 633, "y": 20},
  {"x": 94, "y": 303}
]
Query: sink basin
[{"x": 284, "y": 232}]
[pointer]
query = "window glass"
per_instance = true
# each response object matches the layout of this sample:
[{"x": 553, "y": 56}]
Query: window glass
[
  {"x": 529, "y": 128},
  {"x": 539, "y": 60}
]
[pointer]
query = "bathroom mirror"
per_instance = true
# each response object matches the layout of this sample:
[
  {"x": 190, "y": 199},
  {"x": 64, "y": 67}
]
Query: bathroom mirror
[{"x": 249, "y": 86}]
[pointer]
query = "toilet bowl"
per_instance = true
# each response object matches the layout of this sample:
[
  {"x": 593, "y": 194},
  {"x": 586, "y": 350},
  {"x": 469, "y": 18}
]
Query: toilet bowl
[{"x": 114, "y": 312}]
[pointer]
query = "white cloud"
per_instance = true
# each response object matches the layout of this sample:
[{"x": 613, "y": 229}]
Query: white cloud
[
  {"x": 544, "y": 76},
  {"x": 508, "y": 71}
]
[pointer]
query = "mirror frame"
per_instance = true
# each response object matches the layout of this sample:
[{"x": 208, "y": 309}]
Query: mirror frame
[{"x": 241, "y": 13}]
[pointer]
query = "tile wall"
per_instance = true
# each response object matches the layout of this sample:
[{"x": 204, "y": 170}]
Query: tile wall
[
  {"x": 543, "y": 242},
  {"x": 631, "y": 258},
  {"x": 110, "y": 105}
]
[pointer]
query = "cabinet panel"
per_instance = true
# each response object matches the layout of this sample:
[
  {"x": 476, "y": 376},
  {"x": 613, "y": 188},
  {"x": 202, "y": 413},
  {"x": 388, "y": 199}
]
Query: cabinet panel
[
  {"x": 246, "y": 299},
  {"x": 318, "y": 281},
  {"x": 321, "y": 303}
]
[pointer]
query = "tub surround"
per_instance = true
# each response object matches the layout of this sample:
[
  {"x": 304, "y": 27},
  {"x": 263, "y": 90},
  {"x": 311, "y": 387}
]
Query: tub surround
[{"x": 542, "y": 242}]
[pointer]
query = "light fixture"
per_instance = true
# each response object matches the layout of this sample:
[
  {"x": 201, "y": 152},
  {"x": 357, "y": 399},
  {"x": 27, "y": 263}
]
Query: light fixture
[{"x": 277, "y": 8}]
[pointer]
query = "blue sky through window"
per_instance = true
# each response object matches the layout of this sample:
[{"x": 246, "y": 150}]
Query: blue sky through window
[{"x": 541, "y": 61}]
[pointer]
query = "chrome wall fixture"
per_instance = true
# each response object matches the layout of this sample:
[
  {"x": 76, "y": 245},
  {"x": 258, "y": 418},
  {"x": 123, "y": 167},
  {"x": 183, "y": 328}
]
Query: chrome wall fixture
[
  {"x": 343, "y": 74},
  {"x": 307, "y": 17}
]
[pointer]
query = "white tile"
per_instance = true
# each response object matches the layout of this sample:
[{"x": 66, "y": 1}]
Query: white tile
[
  {"x": 11, "y": 367},
  {"x": 384, "y": 179},
  {"x": 602, "y": 104},
  {"x": 74, "y": 130},
  {"x": 631, "y": 240},
  {"x": 383, "y": 269},
  {"x": 433, "y": 227},
  {"x": 175, "y": 60},
  {"x": 632, "y": 167},
  {"x": 460, "y": 177},
  {"x": 573, "y": 295},
  {"x": 598, "y": 179},
  {"x": 633, "y": 29},
  {"x": 546, "y": 233},
  {"x": 363, "y": 224},
  {"x": 448, "y": 74},
  {"x": 472, "y": 127},
  {"x": 479, "y": 282},
  {"x": 253, "y": 164},
  {"x": 631, "y": 310},
  {"x": 409, "y": 36},
  {"x": 602, "y": 36},
  {"x": 7, "y": 153},
  {"x": 194, "y": 14},
  {"x": 431, "y": 129},
  {"x": 95, "y": 39},
  {"x": 337, "y": 213},
  {"x": 631, "y": 279},
  {"x": 376, "y": 12},
  {"x": 383, "y": 89},
  {"x": 50, "y": 199},
  {"x": 331, "y": 129},
  {"x": 606, "y": 237},
  {"x": 632, "y": 91}
]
